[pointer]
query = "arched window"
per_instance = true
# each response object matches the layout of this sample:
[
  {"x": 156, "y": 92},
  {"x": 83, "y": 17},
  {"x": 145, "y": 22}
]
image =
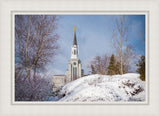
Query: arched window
[
  {"x": 74, "y": 52},
  {"x": 74, "y": 73}
]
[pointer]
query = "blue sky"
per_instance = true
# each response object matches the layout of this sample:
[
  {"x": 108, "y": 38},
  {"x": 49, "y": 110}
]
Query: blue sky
[{"x": 94, "y": 33}]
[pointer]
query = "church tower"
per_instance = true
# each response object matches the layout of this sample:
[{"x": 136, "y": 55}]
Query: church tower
[
  {"x": 74, "y": 53},
  {"x": 74, "y": 70}
]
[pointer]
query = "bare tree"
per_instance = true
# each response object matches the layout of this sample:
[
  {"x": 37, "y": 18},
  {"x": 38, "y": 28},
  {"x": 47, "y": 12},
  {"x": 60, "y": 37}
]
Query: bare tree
[
  {"x": 120, "y": 37},
  {"x": 35, "y": 42},
  {"x": 99, "y": 64},
  {"x": 128, "y": 55},
  {"x": 37, "y": 90}
]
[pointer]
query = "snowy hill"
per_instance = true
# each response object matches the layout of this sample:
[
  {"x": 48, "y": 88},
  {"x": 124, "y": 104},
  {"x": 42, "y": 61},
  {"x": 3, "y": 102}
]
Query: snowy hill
[{"x": 99, "y": 88}]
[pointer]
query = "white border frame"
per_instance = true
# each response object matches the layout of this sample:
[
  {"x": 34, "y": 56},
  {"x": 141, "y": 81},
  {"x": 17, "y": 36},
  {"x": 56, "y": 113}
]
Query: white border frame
[
  {"x": 146, "y": 13},
  {"x": 6, "y": 107}
]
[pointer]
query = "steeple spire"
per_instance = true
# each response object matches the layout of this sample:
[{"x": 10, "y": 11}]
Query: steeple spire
[{"x": 75, "y": 40}]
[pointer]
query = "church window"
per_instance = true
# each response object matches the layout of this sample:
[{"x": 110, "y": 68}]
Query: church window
[
  {"x": 74, "y": 73},
  {"x": 74, "y": 52}
]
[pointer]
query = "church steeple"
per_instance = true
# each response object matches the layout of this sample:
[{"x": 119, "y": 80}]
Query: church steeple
[
  {"x": 74, "y": 53},
  {"x": 75, "y": 40}
]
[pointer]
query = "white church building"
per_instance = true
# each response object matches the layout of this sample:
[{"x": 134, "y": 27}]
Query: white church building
[{"x": 74, "y": 70}]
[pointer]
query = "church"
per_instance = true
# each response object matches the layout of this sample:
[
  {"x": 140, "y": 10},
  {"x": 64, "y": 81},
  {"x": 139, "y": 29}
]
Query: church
[{"x": 74, "y": 70}]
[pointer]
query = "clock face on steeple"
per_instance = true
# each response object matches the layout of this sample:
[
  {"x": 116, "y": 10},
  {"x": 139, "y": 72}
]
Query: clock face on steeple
[{"x": 74, "y": 63}]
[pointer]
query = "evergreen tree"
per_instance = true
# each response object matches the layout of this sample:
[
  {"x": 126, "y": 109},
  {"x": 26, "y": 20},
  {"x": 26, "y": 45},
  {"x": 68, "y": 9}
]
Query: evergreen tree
[
  {"x": 118, "y": 67},
  {"x": 141, "y": 69},
  {"x": 111, "y": 67}
]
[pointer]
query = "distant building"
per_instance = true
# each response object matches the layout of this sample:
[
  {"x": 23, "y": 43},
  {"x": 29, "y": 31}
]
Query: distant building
[{"x": 74, "y": 70}]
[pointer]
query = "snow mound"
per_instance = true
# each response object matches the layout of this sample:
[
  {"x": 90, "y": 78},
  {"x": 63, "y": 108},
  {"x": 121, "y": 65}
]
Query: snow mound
[{"x": 99, "y": 88}]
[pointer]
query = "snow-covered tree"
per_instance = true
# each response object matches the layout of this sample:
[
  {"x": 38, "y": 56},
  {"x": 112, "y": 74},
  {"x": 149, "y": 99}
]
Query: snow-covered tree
[
  {"x": 35, "y": 44},
  {"x": 34, "y": 90}
]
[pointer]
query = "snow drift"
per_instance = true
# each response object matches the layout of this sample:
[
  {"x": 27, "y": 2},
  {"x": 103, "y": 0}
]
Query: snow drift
[{"x": 99, "y": 88}]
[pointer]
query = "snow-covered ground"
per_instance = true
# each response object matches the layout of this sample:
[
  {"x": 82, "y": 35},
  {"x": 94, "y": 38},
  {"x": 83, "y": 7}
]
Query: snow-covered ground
[{"x": 99, "y": 88}]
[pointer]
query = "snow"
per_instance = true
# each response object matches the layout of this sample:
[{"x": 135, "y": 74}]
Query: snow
[{"x": 100, "y": 88}]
